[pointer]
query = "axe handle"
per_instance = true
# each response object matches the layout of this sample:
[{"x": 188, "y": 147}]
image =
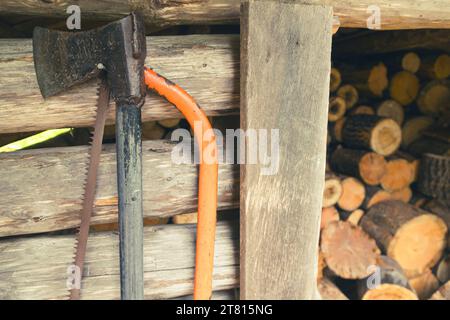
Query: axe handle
[{"x": 129, "y": 183}]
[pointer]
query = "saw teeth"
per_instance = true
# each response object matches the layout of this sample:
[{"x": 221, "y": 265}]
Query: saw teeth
[{"x": 100, "y": 111}]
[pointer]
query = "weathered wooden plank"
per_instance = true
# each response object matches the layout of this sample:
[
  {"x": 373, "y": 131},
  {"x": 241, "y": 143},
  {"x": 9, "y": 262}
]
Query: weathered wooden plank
[
  {"x": 285, "y": 66},
  {"x": 36, "y": 267},
  {"x": 206, "y": 66},
  {"x": 41, "y": 190},
  {"x": 395, "y": 14}
]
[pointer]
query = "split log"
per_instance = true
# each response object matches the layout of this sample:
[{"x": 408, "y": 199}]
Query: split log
[
  {"x": 363, "y": 109},
  {"x": 425, "y": 285},
  {"x": 36, "y": 267},
  {"x": 332, "y": 190},
  {"x": 348, "y": 263},
  {"x": 353, "y": 194},
  {"x": 368, "y": 166},
  {"x": 336, "y": 109},
  {"x": 214, "y": 58},
  {"x": 443, "y": 293},
  {"x": 413, "y": 129},
  {"x": 329, "y": 215},
  {"x": 354, "y": 14},
  {"x": 349, "y": 94},
  {"x": 387, "y": 282},
  {"x": 435, "y": 66},
  {"x": 379, "y": 42},
  {"x": 375, "y": 133},
  {"x": 50, "y": 182},
  {"x": 391, "y": 109},
  {"x": 434, "y": 177},
  {"x": 412, "y": 237},
  {"x": 329, "y": 291},
  {"x": 399, "y": 174},
  {"x": 434, "y": 98},
  {"x": 404, "y": 87},
  {"x": 369, "y": 80},
  {"x": 335, "y": 79}
]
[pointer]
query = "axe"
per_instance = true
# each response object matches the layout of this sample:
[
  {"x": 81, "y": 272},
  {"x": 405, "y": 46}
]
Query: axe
[
  {"x": 64, "y": 59},
  {"x": 117, "y": 52}
]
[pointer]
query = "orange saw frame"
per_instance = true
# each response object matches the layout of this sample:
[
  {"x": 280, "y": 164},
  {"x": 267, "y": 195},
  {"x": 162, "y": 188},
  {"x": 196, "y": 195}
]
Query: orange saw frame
[{"x": 208, "y": 178}]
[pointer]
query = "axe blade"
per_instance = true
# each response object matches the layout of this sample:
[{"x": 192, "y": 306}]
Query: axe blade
[{"x": 64, "y": 59}]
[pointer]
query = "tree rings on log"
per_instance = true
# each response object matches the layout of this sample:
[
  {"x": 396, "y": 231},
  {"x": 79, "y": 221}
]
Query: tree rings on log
[
  {"x": 414, "y": 238},
  {"x": 349, "y": 94},
  {"x": 381, "y": 135},
  {"x": 404, "y": 87},
  {"x": 336, "y": 109},
  {"x": 353, "y": 194},
  {"x": 368, "y": 166},
  {"x": 347, "y": 250}
]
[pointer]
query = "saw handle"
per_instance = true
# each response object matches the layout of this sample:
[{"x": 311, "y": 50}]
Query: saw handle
[
  {"x": 207, "y": 186},
  {"x": 129, "y": 183}
]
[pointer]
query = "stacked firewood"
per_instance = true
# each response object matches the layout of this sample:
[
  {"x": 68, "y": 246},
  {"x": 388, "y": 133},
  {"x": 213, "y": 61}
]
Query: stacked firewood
[{"x": 385, "y": 216}]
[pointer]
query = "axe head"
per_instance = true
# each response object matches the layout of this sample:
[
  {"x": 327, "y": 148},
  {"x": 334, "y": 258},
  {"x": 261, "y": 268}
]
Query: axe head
[{"x": 64, "y": 59}]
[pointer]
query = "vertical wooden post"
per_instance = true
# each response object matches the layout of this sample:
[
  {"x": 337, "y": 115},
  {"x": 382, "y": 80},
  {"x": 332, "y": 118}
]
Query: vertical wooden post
[{"x": 285, "y": 67}]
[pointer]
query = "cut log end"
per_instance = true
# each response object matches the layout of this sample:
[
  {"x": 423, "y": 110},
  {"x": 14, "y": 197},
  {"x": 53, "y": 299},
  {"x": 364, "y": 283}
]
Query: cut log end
[
  {"x": 336, "y": 109},
  {"x": 399, "y": 175},
  {"x": 391, "y": 109},
  {"x": 418, "y": 244},
  {"x": 378, "y": 80},
  {"x": 349, "y": 94},
  {"x": 411, "y": 62},
  {"x": 372, "y": 168},
  {"x": 386, "y": 137},
  {"x": 355, "y": 216},
  {"x": 389, "y": 291},
  {"x": 404, "y": 87},
  {"x": 328, "y": 215},
  {"x": 353, "y": 194},
  {"x": 434, "y": 97},
  {"x": 347, "y": 250},
  {"x": 363, "y": 109},
  {"x": 332, "y": 192},
  {"x": 335, "y": 79},
  {"x": 425, "y": 284},
  {"x": 442, "y": 66}
]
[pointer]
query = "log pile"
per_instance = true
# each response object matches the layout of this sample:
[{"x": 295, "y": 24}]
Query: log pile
[{"x": 385, "y": 215}]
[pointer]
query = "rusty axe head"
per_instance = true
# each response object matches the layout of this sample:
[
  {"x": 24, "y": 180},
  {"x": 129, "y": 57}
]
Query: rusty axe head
[{"x": 64, "y": 59}]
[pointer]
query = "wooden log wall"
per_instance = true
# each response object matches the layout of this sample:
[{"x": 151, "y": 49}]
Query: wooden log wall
[
  {"x": 36, "y": 267},
  {"x": 213, "y": 59},
  {"x": 45, "y": 190},
  {"x": 398, "y": 14}
]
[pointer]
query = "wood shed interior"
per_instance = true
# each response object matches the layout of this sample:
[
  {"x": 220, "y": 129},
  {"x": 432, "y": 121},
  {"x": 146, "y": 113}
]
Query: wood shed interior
[{"x": 386, "y": 198}]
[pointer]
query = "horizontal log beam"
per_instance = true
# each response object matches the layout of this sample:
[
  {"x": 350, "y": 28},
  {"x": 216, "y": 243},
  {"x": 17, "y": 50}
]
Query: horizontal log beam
[
  {"x": 395, "y": 14},
  {"x": 41, "y": 190},
  {"x": 206, "y": 66},
  {"x": 391, "y": 41},
  {"x": 36, "y": 267}
]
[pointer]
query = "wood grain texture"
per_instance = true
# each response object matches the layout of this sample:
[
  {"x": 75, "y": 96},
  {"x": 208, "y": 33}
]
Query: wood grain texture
[
  {"x": 397, "y": 14},
  {"x": 41, "y": 190},
  {"x": 36, "y": 267},
  {"x": 205, "y": 66},
  {"x": 285, "y": 63}
]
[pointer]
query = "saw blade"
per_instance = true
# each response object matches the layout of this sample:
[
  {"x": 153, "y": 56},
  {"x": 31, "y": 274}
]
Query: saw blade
[{"x": 76, "y": 270}]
